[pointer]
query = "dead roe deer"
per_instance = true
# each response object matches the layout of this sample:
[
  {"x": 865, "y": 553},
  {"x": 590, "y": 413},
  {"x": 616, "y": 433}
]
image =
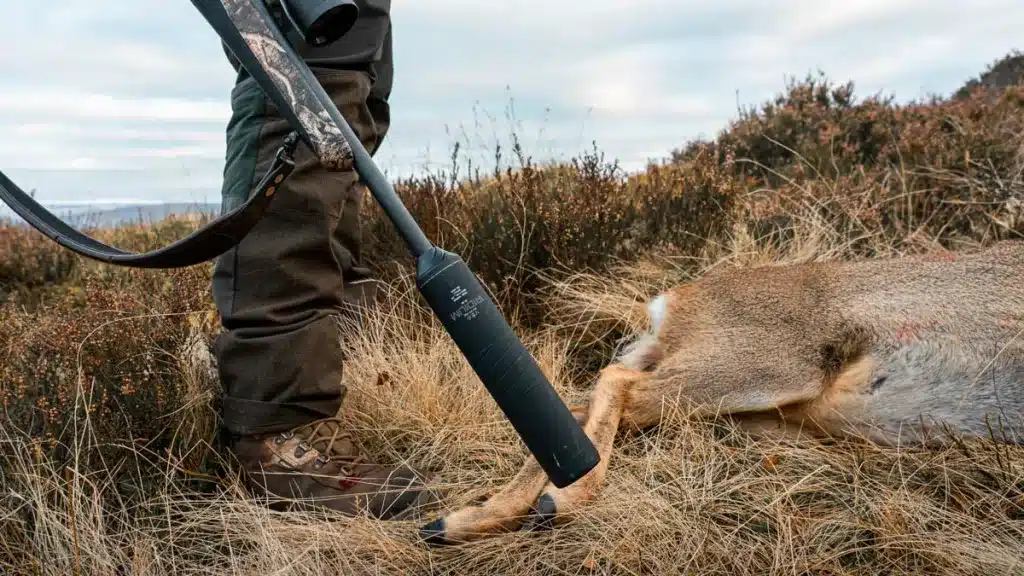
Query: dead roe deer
[{"x": 872, "y": 349}]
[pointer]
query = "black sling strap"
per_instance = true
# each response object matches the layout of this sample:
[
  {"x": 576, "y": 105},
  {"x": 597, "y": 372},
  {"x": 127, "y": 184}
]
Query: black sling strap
[{"x": 202, "y": 245}]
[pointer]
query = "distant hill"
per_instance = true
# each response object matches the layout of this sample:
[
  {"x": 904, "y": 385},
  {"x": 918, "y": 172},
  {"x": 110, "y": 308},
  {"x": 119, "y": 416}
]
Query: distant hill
[{"x": 80, "y": 216}]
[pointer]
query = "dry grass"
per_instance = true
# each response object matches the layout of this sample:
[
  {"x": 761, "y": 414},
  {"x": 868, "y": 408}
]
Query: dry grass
[
  {"x": 109, "y": 463},
  {"x": 689, "y": 497}
]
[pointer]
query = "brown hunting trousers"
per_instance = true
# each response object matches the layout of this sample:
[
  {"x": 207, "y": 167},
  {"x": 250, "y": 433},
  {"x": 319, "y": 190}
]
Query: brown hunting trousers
[{"x": 279, "y": 291}]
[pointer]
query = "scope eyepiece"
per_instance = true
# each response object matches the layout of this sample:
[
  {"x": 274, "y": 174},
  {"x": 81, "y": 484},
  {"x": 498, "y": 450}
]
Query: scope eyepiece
[{"x": 321, "y": 22}]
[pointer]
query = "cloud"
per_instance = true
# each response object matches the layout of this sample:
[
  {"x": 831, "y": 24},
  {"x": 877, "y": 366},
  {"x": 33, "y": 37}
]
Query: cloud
[
  {"x": 91, "y": 106},
  {"x": 813, "y": 20},
  {"x": 129, "y": 98}
]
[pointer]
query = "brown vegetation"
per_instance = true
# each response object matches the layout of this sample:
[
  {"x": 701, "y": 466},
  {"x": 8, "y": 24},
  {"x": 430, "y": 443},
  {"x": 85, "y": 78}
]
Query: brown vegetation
[{"x": 108, "y": 460}]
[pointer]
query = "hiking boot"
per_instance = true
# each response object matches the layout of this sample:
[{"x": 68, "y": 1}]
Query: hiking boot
[{"x": 319, "y": 466}]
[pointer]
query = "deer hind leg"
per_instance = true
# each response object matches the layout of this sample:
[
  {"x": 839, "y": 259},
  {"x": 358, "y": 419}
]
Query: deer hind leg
[
  {"x": 723, "y": 387},
  {"x": 502, "y": 512},
  {"x": 613, "y": 402},
  {"x": 515, "y": 502}
]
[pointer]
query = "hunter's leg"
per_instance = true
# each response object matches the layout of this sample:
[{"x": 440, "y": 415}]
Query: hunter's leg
[
  {"x": 279, "y": 356},
  {"x": 279, "y": 293}
]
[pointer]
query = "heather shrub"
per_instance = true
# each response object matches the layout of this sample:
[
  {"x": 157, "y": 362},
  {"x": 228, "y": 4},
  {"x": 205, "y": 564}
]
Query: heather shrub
[
  {"x": 114, "y": 348},
  {"x": 876, "y": 172},
  {"x": 30, "y": 262},
  {"x": 944, "y": 169},
  {"x": 84, "y": 340},
  {"x": 1003, "y": 73},
  {"x": 584, "y": 215},
  {"x": 32, "y": 266}
]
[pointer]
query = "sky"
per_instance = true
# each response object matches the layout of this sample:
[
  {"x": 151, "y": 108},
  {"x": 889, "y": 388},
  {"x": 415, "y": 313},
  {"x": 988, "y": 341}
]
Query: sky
[{"x": 126, "y": 101}]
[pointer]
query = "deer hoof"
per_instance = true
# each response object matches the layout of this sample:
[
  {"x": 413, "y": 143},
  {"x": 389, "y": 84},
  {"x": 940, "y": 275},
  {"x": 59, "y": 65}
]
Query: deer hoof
[
  {"x": 544, "y": 513},
  {"x": 433, "y": 534}
]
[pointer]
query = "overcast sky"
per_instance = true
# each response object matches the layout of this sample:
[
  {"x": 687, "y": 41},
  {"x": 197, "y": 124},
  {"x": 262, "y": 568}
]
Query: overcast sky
[{"x": 127, "y": 100}]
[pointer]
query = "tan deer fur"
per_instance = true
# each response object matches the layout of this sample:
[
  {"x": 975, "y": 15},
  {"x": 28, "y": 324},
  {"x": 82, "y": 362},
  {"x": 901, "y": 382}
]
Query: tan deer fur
[{"x": 871, "y": 349}]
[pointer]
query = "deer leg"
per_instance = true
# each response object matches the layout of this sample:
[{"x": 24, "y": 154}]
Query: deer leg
[
  {"x": 628, "y": 397},
  {"x": 612, "y": 403},
  {"x": 502, "y": 512}
]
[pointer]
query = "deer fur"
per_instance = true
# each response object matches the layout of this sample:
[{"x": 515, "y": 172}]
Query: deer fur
[{"x": 869, "y": 349}]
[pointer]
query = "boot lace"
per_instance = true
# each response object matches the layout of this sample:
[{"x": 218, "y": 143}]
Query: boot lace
[{"x": 331, "y": 439}]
